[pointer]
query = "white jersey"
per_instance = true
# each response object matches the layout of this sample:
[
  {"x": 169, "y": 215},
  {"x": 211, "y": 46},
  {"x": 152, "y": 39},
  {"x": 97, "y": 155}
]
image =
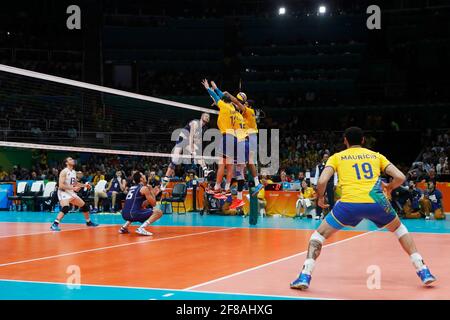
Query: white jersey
[
  {"x": 70, "y": 179},
  {"x": 198, "y": 131}
]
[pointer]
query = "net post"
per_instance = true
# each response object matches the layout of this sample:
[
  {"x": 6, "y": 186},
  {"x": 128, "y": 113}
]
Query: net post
[{"x": 253, "y": 214}]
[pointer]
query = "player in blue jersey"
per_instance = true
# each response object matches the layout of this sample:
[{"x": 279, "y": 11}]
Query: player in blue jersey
[
  {"x": 139, "y": 197},
  {"x": 359, "y": 170}
]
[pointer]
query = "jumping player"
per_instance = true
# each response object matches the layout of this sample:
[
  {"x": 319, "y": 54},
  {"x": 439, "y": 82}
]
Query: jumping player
[
  {"x": 225, "y": 123},
  {"x": 246, "y": 134},
  {"x": 193, "y": 131},
  {"x": 359, "y": 170},
  {"x": 67, "y": 188},
  {"x": 135, "y": 208}
]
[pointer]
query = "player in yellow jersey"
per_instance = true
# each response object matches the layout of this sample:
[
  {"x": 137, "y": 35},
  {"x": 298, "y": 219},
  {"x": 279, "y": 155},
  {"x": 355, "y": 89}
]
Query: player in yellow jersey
[
  {"x": 242, "y": 150},
  {"x": 225, "y": 123},
  {"x": 359, "y": 171}
]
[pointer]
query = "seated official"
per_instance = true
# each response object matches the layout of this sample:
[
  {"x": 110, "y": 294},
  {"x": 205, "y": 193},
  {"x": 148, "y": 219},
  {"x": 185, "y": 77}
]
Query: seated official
[
  {"x": 115, "y": 190},
  {"x": 431, "y": 202},
  {"x": 306, "y": 200},
  {"x": 411, "y": 208}
]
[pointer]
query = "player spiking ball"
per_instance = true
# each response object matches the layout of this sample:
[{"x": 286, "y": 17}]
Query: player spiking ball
[
  {"x": 67, "y": 188},
  {"x": 359, "y": 171},
  {"x": 193, "y": 132}
]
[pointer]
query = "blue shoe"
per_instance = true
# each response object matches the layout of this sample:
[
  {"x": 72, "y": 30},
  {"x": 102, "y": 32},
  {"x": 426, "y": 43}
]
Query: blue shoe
[
  {"x": 426, "y": 276},
  {"x": 55, "y": 227},
  {"x": 302, "y": 282},
  {"x": 91, "y": 224},
  {"x": 95, "y": 210},
  {"x": 123, "y": 230},
  {"x": 257, "y": 189}
]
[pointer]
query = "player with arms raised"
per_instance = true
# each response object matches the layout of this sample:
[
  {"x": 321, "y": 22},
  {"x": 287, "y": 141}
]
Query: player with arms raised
[
  {"x": 67, "y": 188},
  {"x": 246, "y": 135},
  {"x": 359, "y": 171}
]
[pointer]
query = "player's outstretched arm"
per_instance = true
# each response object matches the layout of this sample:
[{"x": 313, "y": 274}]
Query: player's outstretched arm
[
  {"x": 211, "y": 92},
  {"x": 217, "y": 90},
  {"x": 326, "y": 175}
]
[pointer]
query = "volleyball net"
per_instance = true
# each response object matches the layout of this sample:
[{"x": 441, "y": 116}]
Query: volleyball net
[{"x": 45, "y": 116}]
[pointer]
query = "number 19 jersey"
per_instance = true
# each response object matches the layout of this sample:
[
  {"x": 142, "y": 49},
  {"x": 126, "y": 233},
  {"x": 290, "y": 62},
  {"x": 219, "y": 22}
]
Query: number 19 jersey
[{"x": 359, "y": 171}]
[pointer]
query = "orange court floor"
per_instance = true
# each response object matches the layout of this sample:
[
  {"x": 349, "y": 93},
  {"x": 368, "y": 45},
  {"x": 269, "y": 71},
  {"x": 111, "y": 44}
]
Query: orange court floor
[{"x": 211, "y": 257}]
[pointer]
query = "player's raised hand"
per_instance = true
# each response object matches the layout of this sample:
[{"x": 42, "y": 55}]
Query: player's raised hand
[
  {"x": 205, "y": 84},
  {"x": 213, "y": 85},
  {"x": 321, "y": 203}
]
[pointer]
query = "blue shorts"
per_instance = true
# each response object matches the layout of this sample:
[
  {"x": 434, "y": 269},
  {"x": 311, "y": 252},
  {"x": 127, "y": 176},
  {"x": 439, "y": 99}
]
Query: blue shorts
[
  {"x": 242, "y": 152},
  {"x": 346, "y": 214},
  {"x": 137, "y": 216},
  {"x": 227, "y": 146}
]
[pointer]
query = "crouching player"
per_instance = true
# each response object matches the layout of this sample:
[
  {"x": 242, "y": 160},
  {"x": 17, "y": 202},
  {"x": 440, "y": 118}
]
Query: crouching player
[
  {"x": 135, "y": 208},
  {"x": 67, "y": 188},
  {"x": 359, "y": 171}
]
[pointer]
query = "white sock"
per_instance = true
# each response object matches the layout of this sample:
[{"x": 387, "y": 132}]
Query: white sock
[
  {"x": 417, "y": 261},
  {"x": 144, "y": 225},
  {"x": 217, "y": 186},
  {"x": 308, "y": 266},
  {"x": 126, "y": 225},
  {"x": 256, "y": 179},
  {"x": 239, "y": 195},
  {"x": 227, "y": 186}
]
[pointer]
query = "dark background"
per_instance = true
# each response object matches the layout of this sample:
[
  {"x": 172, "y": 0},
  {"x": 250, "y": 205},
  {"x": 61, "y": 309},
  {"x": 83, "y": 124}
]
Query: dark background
[{"x": 310, "y": 74}]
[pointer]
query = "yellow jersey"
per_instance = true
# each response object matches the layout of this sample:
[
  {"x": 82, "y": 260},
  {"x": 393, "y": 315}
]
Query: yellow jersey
[
  {"x": 359, "y": 171},
  {"x": 250, "y": 120},
  {"x": 239, "y": 127},
  {"x": 309, "y": 193},
  {"x": 226, "y": 119}
]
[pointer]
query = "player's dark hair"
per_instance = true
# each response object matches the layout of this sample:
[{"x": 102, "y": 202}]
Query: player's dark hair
[
  {"x": 354, "y": 135},
  {"x": 137, "y": 177}
]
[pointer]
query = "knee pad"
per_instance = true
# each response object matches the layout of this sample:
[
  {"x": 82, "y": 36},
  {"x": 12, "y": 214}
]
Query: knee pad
[
  {"x": 240, "y": 185},
  {"x": 172, "y": 165},
  {"x": 317, "y": 237},
  {"x": 65, "y": 209},
  {"x": 84, "y": 208},
  {"x": 401, "y": 231}
]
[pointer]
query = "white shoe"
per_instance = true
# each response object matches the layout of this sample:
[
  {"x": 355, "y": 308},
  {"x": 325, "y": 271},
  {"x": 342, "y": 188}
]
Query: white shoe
[
  {"x": 427, "y": 218},
  {"x": 317, "y": 217},
  {"x": 164, "y": 183},
  {"x": 143, "y": 232}
]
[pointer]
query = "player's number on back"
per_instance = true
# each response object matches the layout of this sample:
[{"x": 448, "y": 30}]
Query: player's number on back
[
  {"x": 366, "y": 168},
  {"x": 130, "y": 194}
]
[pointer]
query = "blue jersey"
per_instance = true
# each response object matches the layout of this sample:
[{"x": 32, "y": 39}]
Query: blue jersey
[
  {"x": 134, "y": 200},
  {"x": 115, "y": 185}
]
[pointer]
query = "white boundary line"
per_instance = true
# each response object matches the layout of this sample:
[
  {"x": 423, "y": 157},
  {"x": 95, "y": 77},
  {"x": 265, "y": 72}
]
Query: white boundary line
[
  {"x": 170, "y": 290},
  {"x": 45, "y": 232},
  {"x": 273, "y": 262},
  {"x": 85, "y": 85},
  {"x": 112, "y": 247}
]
